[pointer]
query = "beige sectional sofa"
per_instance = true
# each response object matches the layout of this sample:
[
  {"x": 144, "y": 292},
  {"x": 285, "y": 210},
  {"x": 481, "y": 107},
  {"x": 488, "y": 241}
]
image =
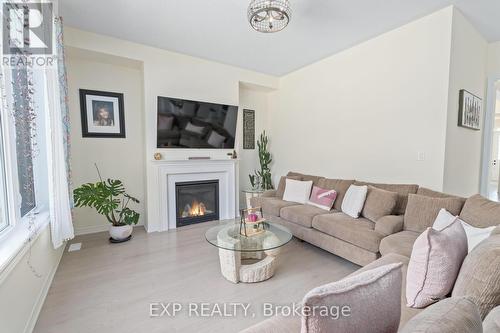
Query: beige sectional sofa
[
  {"x": 357, "y": 240},
  {"x": 362, "y": 241}
]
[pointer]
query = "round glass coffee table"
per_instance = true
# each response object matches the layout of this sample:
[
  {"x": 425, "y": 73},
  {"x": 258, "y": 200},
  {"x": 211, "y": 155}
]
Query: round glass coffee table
[{"x": 235, "y": 247}]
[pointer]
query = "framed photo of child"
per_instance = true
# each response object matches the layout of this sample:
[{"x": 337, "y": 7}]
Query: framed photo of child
[{"x": 102, "y": 114}]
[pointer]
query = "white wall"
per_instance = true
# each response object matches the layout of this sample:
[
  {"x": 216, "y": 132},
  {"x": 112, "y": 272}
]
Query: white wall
[
  {"x": 176, "y": 75},
  {"x": 118, "y": 158},
  {"x": 257, "y": 99},
  {"x": 367, "y": 112},
  {"x": 494, "y": 60},
  {"x": 467, "y": 71},
  {"x": 21, "y": 292}
]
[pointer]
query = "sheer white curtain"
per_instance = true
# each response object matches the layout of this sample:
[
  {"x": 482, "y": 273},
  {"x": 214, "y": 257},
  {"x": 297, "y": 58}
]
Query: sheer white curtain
[{"x": 60, "y": 198}]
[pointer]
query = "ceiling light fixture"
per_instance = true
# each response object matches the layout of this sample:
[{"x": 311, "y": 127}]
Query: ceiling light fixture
[{"x": 269, "y": 15}]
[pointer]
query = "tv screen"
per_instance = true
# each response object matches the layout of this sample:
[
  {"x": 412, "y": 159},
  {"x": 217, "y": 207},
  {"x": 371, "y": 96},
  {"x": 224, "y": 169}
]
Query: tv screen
[{"x": 190, "y": 124}]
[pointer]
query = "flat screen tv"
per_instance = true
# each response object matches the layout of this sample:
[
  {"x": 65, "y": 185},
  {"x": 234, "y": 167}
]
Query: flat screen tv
[{"x": 190, "y": 124}]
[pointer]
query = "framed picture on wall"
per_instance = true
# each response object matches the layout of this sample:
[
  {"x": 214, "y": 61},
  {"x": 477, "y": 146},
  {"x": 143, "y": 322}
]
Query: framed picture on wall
[
  {"x": 248, "y": 129},
  {"x": 102, "y": 114},
  {"x": 469, "y": 114}
]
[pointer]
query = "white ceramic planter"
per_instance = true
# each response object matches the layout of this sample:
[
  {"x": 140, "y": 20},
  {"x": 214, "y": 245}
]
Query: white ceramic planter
[{"x": 121, "y": 232}]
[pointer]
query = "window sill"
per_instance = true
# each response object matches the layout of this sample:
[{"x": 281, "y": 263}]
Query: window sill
[{"x": 15, "y": 240}]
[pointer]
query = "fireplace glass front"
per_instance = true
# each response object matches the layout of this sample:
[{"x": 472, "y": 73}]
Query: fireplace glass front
[{"x": 196, "y": 202}]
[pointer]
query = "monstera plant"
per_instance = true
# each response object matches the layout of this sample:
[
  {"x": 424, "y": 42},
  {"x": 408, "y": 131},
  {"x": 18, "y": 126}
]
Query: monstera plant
[{"x": 109, "y": 198}]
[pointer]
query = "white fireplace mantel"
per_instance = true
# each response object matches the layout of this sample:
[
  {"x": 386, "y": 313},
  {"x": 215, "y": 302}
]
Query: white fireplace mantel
[{"x": 163, "y": 217}]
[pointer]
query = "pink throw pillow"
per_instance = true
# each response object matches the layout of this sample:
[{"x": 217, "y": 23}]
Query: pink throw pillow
[
  {"x": 434, "y": 264},
  {"x": 322, "y": 198}
]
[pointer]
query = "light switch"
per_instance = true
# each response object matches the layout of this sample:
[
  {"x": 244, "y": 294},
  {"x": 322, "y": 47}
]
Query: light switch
[{"x": 421, "y": 156}]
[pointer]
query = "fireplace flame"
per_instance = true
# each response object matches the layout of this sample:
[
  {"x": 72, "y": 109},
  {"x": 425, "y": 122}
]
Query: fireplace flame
[{"x": 195, "y": 209}]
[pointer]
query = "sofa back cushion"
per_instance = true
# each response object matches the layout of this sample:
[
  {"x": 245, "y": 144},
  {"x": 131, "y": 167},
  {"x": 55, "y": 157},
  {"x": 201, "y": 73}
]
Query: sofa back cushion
[
  {"x": 360, "y": 293},
  {"x": 481, "y": 212},
  {"x": 452, "y": 315},
  {"x": 435, "y": 194},
  {"x": 339, "y": 185},
  {"x": 314, "y": 179},
  {"x": 401, "y": 189},
  {"x": 434, "y": 264},
  {"x": 379, "y": 203},
  {"x": 421, "y": 211},
  {"x": 479, "y": 277}
]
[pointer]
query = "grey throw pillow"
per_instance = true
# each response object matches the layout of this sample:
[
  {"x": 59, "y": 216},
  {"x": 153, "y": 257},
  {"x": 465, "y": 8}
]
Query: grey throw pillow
[
  {"x": 379, "y": 203},
  {"x": 479, "y": 277},
  {"x": 451, "y": 315},
  {"x": 361, "y": 294}
]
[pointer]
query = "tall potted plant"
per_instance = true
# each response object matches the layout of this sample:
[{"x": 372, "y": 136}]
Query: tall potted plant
[
  {"x": 109, "y": 199},
  {"x": 265, "y": 160}
]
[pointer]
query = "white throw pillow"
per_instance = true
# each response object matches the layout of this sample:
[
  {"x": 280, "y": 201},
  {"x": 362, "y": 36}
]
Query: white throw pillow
[
  {"x": 354, "y": 200},
  {"x": 297, "y": 191},
  {"x": 474, "y": 235}
]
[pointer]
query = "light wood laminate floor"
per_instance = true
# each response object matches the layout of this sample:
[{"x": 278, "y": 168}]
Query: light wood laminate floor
[{"x": 109, "y": 287}]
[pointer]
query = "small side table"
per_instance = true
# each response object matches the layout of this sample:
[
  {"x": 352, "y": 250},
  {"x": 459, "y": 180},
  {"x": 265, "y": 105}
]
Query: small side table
[{"x": 249, "y": 194}]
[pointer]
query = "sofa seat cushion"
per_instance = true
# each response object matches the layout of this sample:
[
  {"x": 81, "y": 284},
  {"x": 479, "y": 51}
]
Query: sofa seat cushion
[
  {"x": 392, "y": 258},
  {"x": 272, "y": 206},
  {"x": 360, "y": 232},
  {"x": 302, "y": 214},
  {"x": 399, "y": 243}
]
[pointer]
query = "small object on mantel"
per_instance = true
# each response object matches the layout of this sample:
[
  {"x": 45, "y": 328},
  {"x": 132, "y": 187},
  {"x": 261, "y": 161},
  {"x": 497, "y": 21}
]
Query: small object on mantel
[
  {"x": 198, "y": 157},
  {"x": 233, "y": 155},
  {"x": 157, "y": 156}
]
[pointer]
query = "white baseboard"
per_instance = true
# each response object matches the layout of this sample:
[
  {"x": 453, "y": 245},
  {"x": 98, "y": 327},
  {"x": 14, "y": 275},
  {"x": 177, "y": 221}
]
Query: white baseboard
[
  {"x": 91, "y": 229},
  {"x": 30, "y": 325}
]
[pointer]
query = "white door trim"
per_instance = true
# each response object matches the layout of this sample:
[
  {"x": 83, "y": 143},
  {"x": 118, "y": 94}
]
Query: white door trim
[{"x": 489, "y": 125}]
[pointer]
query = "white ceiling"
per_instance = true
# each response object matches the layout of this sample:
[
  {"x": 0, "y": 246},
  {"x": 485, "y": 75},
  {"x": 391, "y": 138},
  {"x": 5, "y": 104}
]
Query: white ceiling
[{"x": 218, "y": 29}]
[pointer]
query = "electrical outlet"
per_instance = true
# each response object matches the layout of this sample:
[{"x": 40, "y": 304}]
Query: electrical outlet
[
  {"x": 421, "y": 156},
  {"x": 75, "y": 247}
]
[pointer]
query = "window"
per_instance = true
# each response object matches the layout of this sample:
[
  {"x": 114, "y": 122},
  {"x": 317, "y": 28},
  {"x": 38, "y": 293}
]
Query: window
[
  {"x": 22, "y": 102},
  {"x": 4, "y": 219},
  {"x": 23, "y": 160}
]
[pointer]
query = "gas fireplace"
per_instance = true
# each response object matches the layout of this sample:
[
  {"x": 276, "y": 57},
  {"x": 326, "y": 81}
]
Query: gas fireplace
[{"x": 196, "y": 202}]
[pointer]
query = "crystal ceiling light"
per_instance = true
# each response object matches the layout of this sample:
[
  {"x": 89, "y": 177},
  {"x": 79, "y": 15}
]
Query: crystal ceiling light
[{"x": 269, "y": 15}]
